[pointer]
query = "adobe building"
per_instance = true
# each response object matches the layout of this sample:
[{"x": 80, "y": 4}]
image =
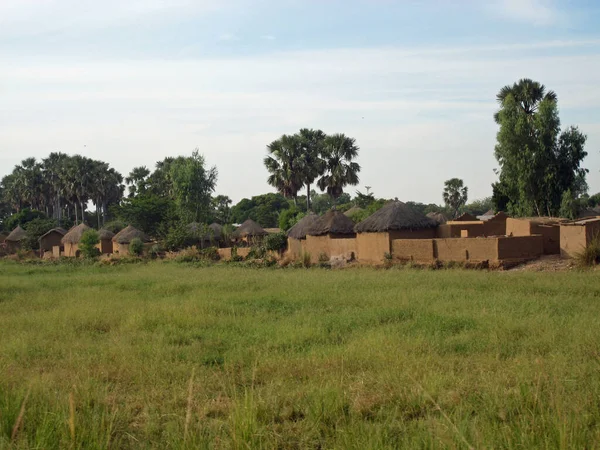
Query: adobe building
[
  {"x": 297, "y": 236},
  {"x": 547, "y": 227},
  {"x": 14, "y": 239},
  {"x": 105, "y": 246},
  {"x": 331, "y": 235},
  {"x": 576, "y": 235},
  {"x": 249, "y": 233},
  {"x": 50, "y": 240},
  {"x": 123, "y": 238},
  {"x": 395, "y": 220}
]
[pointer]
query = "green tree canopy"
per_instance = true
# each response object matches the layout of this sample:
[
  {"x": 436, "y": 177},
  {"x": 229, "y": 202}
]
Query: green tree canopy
[
  {"x": 538, "y": 162},
  {"x": 455, "y": 195}
]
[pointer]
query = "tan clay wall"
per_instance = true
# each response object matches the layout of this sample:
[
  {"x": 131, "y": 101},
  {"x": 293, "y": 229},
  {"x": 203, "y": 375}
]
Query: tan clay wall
[
  {"x": 550, "y": 235},
  {"x": 56, "y": 251},
  {"x": 295, "y": 248},
  {"x": 574, "y": 238},
  {"x": 331, "y": 246},
  {"x": 518, "y": 227},
  {"x": 225, "y": 253},
  {"x": 50, "y": 241},
  {"x": 452, "y": 229},
  {"x": 105, "y": 246},
  {"x": 71, "y": 250},
  {"x": 370, "y": 247},
  {"x": 413, "y": 250},
  {"x": 469, "y": 249},
  {"x": 496, "y": 226},
  {"x": 520, "y": 247}
]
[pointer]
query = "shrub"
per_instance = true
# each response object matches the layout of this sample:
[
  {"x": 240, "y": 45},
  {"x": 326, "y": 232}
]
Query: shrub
[
  {"x": 35, "y": 229},
  {"x": 87, "y": 245},
  {"x": 210, "y": 253},
  {"x": 178, "y": 237},
  {"x": 590, "y": 256},
  {"x": 234, "y": 255},
  {"x": 276, "y": 242},
  {"x": 114, "y": 226},
  {"x": 155, "y": 251},
  {"x": 306, "y": 260},
  {"x": 323, "y": 257},
  {"x": 136, "y": 247},
  {"x": 22, "y": 218}
]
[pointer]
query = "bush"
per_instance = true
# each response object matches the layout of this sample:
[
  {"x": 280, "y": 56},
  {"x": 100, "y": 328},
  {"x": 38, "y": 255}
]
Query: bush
[
  {"x": 36, "y": 228},
  {"x": 21, "y": 218},
  {"x": 87, "y": 245},
  {"x": 234, "y": 255},
  {"x": 306, "y": 260},
  {"x": 275, "y": 242},
  {"x": 115, "y": 226},
  {"x": 590, "y": 256},
  {"x": 136, "y": 247},
  {"x": 155, "y": 251}
]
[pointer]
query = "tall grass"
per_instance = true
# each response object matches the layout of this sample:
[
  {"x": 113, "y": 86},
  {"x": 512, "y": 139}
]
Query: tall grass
[
  {"x": 590, "y": 255},
  {"x": 170, "y": 356}
]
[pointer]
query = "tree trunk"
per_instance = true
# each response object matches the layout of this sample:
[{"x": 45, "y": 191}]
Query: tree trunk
[
  {"x": 76, "y": 213},
  {"x": 307, "y": 197},
  {"x": 103, "y": 212},
  {"x": 82, "y": 213}
]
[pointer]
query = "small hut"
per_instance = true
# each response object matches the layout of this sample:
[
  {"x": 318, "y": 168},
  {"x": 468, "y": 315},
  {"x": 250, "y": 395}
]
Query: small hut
[
  {"x": 106, "y": 244},
  {"x": 587, "y": 213},
  {"x": 547, "y": 227},
  {"x": 71, "y": 240},
  {"x": 249, "y": 232},
  {"x": 576, "y": 235},
  {"x": 466, "y": 217},
  {"x": 123, "y": 238},
  {"x": 297, "y": 235},
  {"x": 50, "y": 240},
  {"x": 13, "y": 240},
  {"x": 396, "y": 220},
  {"x": 331, "y": 235},
  {"x": 439, "y": 217}
]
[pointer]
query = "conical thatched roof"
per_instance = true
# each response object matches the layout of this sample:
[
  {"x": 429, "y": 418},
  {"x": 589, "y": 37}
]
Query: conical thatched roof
[
  {"x": 395, "y": 216},
  {"x": 217, "y": 230},
  {"x": 489, "y": 213},
  {"x": 106, "y": 234},
  {"x": 352, "y": 211},
  {"x": 129, "y": 233},
  {"x": 301, "y": 228},
  {"x": 16, "y": 235},
  {"x": 249, "y": 228},
  {"x": 59, "y": 230},
  {"x": 438, "y": 217},
  {"x": 466, "y": 217},
  {"x": 332, "y": 222},
  {"x": 73, "y": 236}
]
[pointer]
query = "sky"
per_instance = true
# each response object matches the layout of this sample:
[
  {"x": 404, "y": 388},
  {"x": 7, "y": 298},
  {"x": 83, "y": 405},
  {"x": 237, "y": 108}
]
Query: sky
[{"x": 131, "y": 82}]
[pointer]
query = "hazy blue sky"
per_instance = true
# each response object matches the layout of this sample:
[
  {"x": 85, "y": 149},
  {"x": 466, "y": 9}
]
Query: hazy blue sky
[{"x": 133, "y": 81}]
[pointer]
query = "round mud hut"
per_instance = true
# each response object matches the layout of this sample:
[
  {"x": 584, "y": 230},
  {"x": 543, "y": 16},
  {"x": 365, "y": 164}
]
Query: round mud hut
[
  {"x": 331, "y": 235},
  {"x": 439, "y": 217},
  {"x": 52, "y": 242},
  {"x": 123, "y": 238},
  {"x": 14, "y": 239},
  {"x": 249, "y": 232},
  {"x": 71, "y": 240},
  {"x": 297, "y": 236},
  {"x": 395, "y": 220},
  {"x": 106, "y": 244}
]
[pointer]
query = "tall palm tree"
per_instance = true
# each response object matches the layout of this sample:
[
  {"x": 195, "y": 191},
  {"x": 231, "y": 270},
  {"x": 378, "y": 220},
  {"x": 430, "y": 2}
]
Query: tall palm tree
[
  {"x": 136, "y": 180},
  {"x": 339, "y": 151},
  {"x": 312, "y": 163},
  {"x": 527, "y": 93},
  {"x": 284, "y": 165}
]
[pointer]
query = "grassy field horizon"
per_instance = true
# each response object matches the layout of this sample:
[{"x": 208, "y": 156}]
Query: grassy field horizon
[{"x": 165, "y": 355}]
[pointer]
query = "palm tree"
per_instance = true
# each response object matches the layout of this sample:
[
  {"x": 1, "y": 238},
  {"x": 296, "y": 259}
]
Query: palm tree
[
  {"x": 285, "y": 166},
  {"x": 312, "y": 164},
  {"x": 137, "y": 180},
  {"x": 527, "y": 93},
  {"x": 340, "y": 170}
]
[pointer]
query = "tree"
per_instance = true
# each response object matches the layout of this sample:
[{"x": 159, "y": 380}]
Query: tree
[
  {"x": 263, "y": 209},
  {"x": 285, "y": 166},
  {"x": 136, "y": 180},
  {"x": 312, "y": 164},
  {"x": 88, "y": 244},
  {"x": 221, "y": 209},
  {"x": 149, "y": 213},
  {"x": 339, "y": 152},
  {"x": 455, "y": 195},
  {"x": 192, "y": 187},
  {"x": 538, "y": 162}
]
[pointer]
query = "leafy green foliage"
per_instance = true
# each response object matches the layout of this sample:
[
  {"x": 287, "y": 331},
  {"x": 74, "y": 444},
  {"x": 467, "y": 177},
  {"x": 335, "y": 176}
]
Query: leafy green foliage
[
  {"x": 87, "y": 245},
  {"x": 136, "y": 247},
  {"x": 340, "y": 169},
  {"x": 114, "y": 226},
  {"x": 221, "y": 209},
  {"x": 289, "y": 217},
  {"x": 35, "y": 229},
  {"x": 263, "y": 209},
  {"x": 22, "y": 218},
  {"x": 369, "y": 210},
  {"x": 275, "y": 242},
  {"x": 148, "y": 213},
  {"x": 538, "y": 162},
  {"x": 590, "y": 255},
  {"x": 568, "y": 205}
]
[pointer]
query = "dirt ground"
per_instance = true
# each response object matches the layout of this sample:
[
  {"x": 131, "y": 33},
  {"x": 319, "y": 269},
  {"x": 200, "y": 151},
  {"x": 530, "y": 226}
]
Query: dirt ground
[{"x": 548, "y": 263}]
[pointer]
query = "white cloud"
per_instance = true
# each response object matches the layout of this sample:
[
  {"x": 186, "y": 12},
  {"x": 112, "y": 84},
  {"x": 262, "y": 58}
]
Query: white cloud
[
  {"x": 427, "y": 112},
  {"x": 267, "y": 37},
  {"x": 536, "y": 12}
]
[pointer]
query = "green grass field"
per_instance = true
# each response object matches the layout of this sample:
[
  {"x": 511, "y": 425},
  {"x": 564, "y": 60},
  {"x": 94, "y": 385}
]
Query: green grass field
[{"x": 164, "y": 355}]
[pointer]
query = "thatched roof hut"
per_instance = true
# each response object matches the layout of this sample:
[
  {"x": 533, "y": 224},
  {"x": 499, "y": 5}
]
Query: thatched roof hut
[
  {"x": 73, "y": 236},
  {"x": 395, "y": 216},
  {"x": 16, "y": 235},
  {"x": 300, "y": 230},
  {"x": 439, "y": 217},
  {"x": 58, "y": 230},
  {"x": 128, "y": 234},
  {"x": 105, "y": 234},
  {"x": 217, "y": 230},
  {"x": 332, "y": 222},
  {"x": 466, "y": 217},
  {"x": 249, "y": 229}
]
